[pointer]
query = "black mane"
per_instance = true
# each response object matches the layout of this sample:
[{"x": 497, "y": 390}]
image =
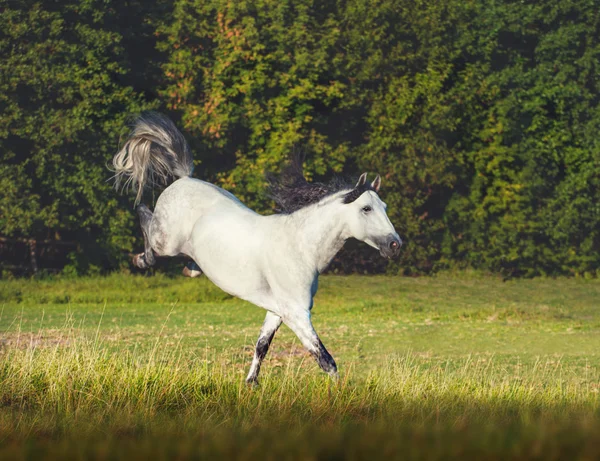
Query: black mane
[
  {"x": 358, "y": 191},
  {"x": 291, "y": 191}
]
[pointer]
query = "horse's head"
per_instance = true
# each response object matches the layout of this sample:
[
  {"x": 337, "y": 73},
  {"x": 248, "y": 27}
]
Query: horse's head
[{"x": 367, "y": 218}]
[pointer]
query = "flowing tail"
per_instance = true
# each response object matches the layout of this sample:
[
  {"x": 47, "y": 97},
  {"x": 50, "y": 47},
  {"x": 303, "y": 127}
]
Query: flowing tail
[{"x": 155, "y": 153}]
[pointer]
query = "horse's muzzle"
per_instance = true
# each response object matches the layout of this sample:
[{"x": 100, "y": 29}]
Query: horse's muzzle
[{"x": 390, "y": 248}]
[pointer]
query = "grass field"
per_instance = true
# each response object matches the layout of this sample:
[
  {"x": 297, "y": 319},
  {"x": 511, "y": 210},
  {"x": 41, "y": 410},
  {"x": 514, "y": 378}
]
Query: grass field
[{"x": 460, "y": 366}]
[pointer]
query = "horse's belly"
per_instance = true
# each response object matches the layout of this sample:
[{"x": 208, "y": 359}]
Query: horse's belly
[{"x": 228, "y": 251}]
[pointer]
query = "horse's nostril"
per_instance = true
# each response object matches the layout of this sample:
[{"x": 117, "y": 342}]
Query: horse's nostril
[{"x": 393, "y": 244}]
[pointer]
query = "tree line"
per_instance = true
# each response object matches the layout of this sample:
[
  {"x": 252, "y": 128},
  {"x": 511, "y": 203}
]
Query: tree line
[{"x": 481, "y": 116}]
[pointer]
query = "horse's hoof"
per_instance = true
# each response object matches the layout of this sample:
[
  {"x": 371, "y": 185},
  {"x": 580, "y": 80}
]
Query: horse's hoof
[
  {"x": 138, "y": 261},
  {"x": 191, "y": 272}
]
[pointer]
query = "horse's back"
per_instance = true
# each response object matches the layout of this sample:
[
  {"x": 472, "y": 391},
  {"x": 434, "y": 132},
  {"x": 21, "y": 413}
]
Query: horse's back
[{"x": 180, "y": 206}]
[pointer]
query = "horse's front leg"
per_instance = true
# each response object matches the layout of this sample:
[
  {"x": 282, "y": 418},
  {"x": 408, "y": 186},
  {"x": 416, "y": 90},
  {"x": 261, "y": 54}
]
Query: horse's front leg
[
  {"x": 300, "y": 323},
  {"x": 270, "y": 326}
]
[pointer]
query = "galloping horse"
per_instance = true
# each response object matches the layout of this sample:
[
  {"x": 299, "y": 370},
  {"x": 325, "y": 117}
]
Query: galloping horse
[{"x": 271, "y": 261}]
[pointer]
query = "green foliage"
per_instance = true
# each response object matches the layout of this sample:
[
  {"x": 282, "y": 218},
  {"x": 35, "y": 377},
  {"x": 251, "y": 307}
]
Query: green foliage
[
  {"x": 533, "y": 161},
  {"x": 480, "y": 116},
  {"x": 63, "y": 107},
  {"x": 253, "y": 81}
]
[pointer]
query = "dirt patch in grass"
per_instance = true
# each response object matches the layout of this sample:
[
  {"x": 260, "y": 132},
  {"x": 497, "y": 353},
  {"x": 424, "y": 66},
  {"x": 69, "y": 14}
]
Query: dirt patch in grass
[
  {"x": 29, "y": 340},
  {"x": 282, "y": 351}
]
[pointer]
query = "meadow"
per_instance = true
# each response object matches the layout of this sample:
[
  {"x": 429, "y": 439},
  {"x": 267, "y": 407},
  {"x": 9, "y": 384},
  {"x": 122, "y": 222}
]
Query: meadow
[{"x": 454, "y": 366}]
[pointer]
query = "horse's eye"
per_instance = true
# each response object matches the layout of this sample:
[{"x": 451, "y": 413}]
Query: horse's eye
[{"x": 367, "y": 208}]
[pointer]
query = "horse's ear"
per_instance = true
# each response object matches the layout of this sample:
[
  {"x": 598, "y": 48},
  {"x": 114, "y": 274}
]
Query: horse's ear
[
  {"x": 376, "y": 184},
  {"x": 362, "y": 180}
]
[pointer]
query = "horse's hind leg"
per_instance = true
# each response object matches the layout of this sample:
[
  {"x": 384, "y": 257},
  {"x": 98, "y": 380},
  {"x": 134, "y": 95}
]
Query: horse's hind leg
[
  {"x": 192, "y": 269},
  {"x": 270, "y": 326},
  {"x": 145, "y": 259}
]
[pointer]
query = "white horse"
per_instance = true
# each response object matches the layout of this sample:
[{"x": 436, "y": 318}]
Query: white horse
[{"x": 271, "y": 261}]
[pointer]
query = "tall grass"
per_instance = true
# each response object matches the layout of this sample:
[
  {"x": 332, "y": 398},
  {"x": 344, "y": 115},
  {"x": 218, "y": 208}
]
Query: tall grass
[
  {"x": 135, "y": 367},
  {"x": 174, "y": 405}
]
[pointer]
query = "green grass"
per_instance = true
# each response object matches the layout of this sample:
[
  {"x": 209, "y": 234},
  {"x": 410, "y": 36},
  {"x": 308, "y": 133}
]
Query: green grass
[{"x": 453, "y": 366}]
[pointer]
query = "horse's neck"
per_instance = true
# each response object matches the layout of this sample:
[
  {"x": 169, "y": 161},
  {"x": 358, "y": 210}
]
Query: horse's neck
[{"x": 321, "y": 232}]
